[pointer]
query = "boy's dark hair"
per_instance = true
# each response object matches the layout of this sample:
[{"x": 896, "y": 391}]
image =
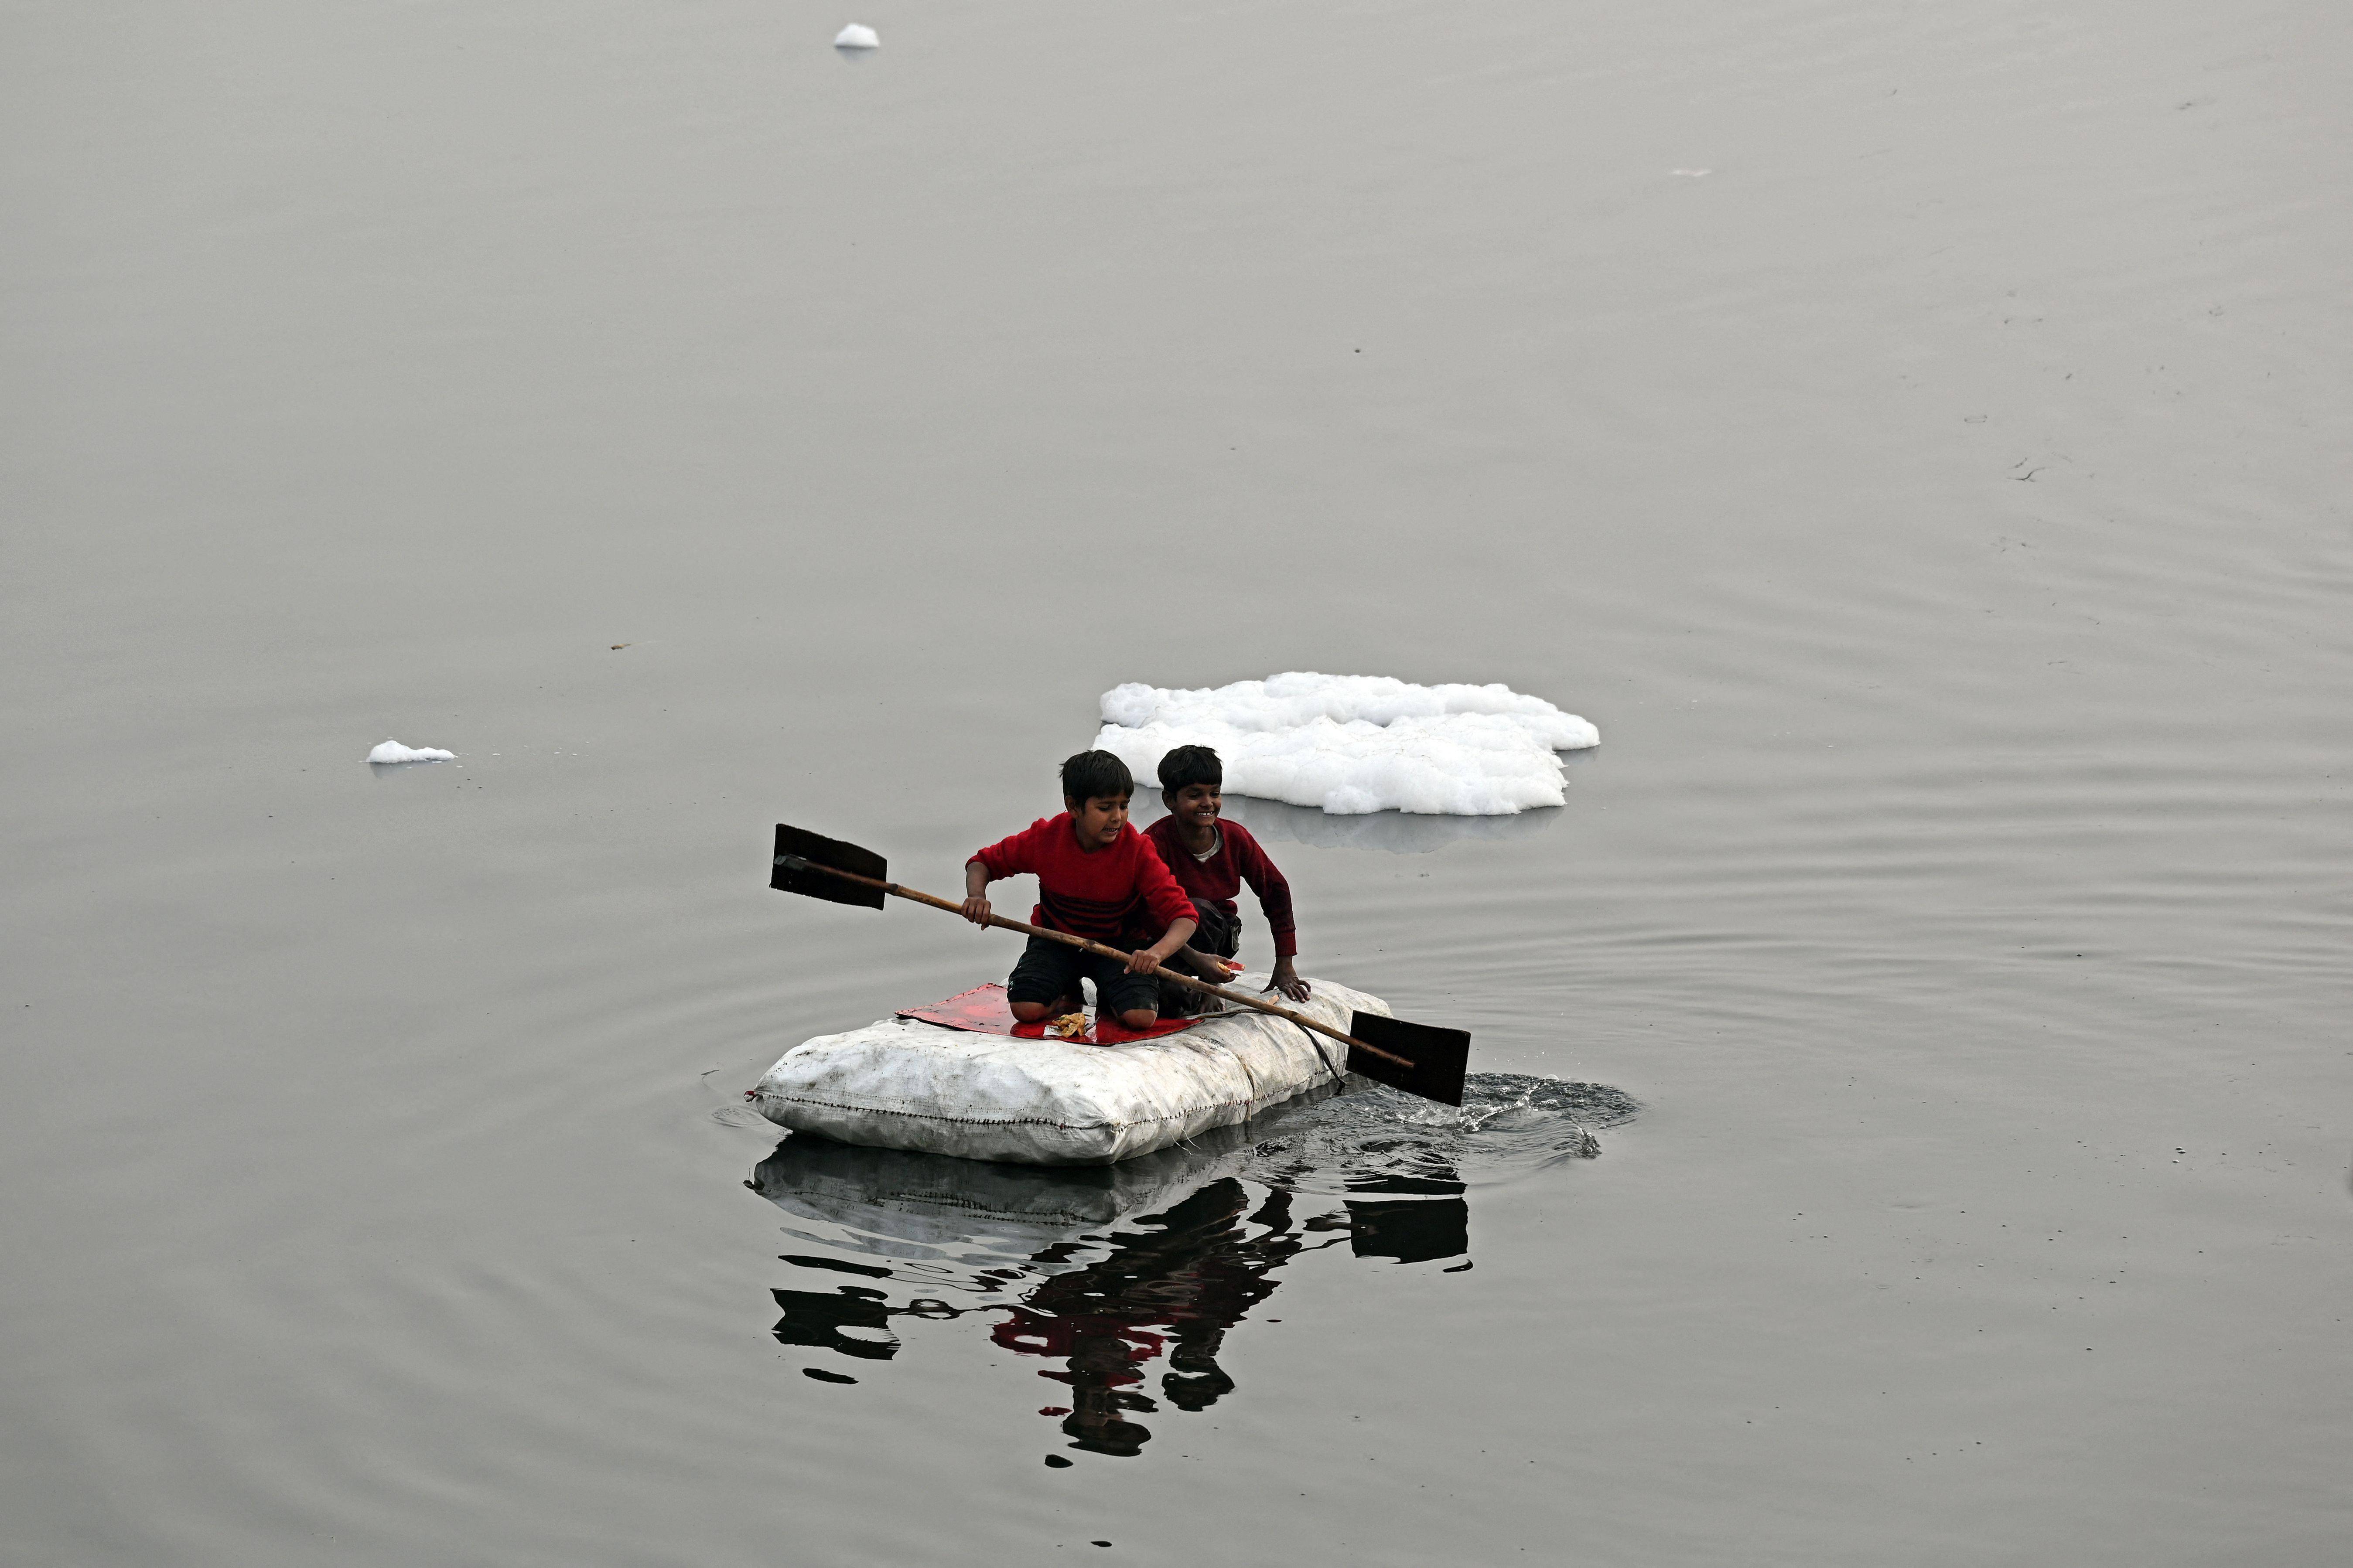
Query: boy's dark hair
[
  {"x": 1096, "y": 776},
  {"x": 1191, "y": 766}
]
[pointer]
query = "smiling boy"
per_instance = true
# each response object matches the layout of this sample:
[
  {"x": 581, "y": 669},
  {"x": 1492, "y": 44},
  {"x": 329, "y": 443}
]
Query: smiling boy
[
  {"x": 1097, "y": 879},
  {"x": 1211, "y": 859}
]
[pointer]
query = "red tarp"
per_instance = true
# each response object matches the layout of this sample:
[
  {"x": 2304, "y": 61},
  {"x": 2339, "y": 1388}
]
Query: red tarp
[{"x": 983, "y": 1011}]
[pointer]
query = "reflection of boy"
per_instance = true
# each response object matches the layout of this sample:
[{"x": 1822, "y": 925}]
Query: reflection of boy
[
  {"x": 1176, "y": 1289},
  {"x": 1097, "y": 879},
  {"x": 1210, "y": 860}
]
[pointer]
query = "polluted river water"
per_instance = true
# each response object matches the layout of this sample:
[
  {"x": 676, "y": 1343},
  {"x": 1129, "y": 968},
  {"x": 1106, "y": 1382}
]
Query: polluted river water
[{"x": 1912, "y": 1065}]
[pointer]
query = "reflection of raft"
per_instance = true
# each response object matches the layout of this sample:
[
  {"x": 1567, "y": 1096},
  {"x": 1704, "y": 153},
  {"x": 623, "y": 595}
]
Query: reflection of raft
[
  {"x": 960, "y": 1078},
  {"x": 1126, "y": 1279},
  {"x": 1130, "y": 1316},
  {"x": 906, "y": 1205}
]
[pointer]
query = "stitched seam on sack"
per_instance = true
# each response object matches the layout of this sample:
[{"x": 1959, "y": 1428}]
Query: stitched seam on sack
[{"x": 1000, "y": 1120}]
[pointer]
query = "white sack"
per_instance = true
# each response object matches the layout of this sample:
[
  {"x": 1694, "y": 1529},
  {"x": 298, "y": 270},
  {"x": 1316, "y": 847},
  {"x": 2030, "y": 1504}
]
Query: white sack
[{"x": 902, "y": 1084}]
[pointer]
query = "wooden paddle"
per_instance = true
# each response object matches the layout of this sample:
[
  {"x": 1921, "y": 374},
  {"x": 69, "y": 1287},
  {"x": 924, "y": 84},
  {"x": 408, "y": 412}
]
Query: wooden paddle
[{"x": 1417, "y": 1058}]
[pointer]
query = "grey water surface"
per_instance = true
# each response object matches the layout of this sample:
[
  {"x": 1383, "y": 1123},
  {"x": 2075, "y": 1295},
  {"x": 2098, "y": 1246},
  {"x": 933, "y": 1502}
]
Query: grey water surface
[{"x": 1916, "y": 1055}]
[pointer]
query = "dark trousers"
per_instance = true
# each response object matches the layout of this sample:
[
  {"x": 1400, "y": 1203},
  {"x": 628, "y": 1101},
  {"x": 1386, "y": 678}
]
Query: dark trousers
[
  {"x": 1050, "y": 971},
  {"x": 1220, "y": 935}
]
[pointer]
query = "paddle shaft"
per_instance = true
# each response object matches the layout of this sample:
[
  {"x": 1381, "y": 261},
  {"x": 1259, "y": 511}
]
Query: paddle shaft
[{"x": 1103, "y": 951}]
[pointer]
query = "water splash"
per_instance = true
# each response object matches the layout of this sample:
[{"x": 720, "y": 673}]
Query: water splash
[{"x": 1509, "y": 1126}]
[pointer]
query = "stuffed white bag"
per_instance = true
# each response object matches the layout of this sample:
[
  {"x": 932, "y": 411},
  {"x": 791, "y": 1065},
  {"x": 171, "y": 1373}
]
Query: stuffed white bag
[{"x": 971, "y": 1091}]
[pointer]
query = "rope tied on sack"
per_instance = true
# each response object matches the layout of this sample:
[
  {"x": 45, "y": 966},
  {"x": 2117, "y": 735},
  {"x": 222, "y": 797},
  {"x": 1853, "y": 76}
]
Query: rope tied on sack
[{"x": 1322, "y": 1054}]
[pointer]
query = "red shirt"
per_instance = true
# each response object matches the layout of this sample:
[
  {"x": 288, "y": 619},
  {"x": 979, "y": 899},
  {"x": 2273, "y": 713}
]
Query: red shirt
[
  {"x": 1107, "y": 894},
  {"x": 1215, "y": 880}
]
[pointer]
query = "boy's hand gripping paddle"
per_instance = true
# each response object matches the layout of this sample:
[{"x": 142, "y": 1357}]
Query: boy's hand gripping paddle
[{"x": 1417, "y": 1058}]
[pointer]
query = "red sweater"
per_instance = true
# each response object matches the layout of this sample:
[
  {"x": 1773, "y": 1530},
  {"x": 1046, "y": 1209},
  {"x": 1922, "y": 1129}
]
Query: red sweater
[
  {"x": 1109, "y": 894},
  {"x": 1215, "y": 880}
]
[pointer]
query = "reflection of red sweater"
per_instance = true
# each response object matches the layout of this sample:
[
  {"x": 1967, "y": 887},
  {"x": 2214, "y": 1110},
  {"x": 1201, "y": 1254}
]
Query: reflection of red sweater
[
  {"x": 1107, "y": 894},
  {"x": 1215, "y": 880}
]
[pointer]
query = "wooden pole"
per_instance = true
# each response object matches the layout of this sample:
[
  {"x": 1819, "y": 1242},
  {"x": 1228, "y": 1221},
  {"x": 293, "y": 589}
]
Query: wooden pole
[{"x": 800, "y": 863}]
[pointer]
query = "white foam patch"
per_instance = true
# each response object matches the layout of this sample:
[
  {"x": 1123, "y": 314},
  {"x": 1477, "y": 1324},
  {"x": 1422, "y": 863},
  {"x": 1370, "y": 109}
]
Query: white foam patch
[
  {"x": 858, "y": 35},
  {"x": 1355, "y": 743},
  {"x": 393, "y": 752},
  {"x": 1285, "y": 701}
]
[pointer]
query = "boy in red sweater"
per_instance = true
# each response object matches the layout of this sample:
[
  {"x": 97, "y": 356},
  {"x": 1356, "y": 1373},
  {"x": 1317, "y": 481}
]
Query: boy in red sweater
[
  {"x": 1097, "y": 879},
  {"x": 1210, "y": 860}
]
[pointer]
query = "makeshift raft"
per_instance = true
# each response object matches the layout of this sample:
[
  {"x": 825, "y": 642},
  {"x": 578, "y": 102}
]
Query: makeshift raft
[{"x": 961, "y": 1077}]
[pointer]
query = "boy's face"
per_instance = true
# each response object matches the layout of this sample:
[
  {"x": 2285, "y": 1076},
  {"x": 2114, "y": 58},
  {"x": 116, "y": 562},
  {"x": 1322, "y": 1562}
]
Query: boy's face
[
  {"x": 1098, "y": 820},
  {"x": 1196, "y": 806}
]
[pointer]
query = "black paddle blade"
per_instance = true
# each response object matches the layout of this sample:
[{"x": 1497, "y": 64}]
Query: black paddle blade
[
  {"x": 1440, "y": 1057},
  {"x": 798, "y": 844}
]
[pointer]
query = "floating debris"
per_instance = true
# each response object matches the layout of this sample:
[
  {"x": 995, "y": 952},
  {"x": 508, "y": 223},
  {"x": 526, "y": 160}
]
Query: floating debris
[{"x": 392, "y": 752}]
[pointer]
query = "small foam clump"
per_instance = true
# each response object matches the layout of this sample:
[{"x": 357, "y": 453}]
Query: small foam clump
[
  {"x": 1355, "y": 743},
  {"x": 393, "y": 752},
  {"x": 858, "y": 35}
]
